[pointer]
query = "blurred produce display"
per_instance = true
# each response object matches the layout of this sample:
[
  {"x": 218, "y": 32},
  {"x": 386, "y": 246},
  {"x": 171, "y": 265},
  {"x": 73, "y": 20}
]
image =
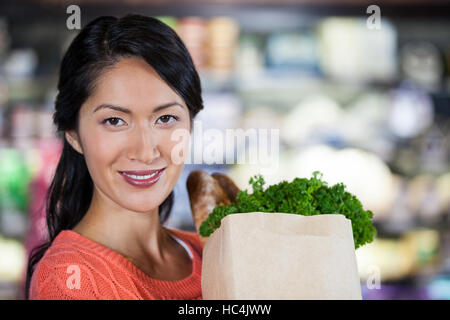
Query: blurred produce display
[{"x": 369, "y": 108}]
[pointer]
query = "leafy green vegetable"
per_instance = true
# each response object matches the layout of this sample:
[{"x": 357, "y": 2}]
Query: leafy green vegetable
[{"x": 307, "y": 197}]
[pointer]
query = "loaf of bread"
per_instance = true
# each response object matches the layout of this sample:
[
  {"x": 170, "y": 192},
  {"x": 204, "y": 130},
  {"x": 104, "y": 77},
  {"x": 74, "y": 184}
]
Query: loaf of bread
[{"x": 208, "y": 191}]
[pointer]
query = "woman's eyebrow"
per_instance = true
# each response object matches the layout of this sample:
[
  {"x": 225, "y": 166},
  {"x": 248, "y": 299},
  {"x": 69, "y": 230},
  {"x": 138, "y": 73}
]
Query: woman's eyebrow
[{"x": 128, "y": 111}]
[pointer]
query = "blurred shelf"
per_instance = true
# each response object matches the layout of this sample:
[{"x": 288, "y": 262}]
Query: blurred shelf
[
  {"x": 9, "y": 290},
  {"x": 387, "y": 230},
  {"x": 292, "y": 79},
  {"x": 273, "y": 12}
]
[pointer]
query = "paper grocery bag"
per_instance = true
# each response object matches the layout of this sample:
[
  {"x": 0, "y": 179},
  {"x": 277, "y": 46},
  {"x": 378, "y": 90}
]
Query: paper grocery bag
[{"x": 280, "y": 256}]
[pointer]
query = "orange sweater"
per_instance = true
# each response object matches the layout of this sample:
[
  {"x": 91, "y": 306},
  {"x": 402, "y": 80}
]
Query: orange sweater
[{"x": 75, "y": 267}]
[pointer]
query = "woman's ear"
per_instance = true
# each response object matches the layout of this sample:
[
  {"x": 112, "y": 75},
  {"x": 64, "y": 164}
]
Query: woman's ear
[{"x": 73, "y": 139}]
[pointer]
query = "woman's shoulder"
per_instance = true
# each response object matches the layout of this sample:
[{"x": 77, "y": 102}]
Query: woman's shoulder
[
  {"x": 49, "y": 279},
  {"x": 74, "y": 267},
  {"x": 69, "y": 248}
]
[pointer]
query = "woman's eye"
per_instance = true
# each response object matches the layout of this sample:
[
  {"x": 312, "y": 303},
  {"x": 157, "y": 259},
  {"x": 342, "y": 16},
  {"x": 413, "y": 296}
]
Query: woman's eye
[
  {"x": 166, "y": 118},
  {"x": 113, "y": 121}
]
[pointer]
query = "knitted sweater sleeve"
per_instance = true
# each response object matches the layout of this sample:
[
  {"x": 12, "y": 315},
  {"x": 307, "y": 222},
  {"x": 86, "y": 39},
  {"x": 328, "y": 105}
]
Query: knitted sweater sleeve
[
  {"x": 71, "y": 278},
  {"x": 52, "y": 281}
]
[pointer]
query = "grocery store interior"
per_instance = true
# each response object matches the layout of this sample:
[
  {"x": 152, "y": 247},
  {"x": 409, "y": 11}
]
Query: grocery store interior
[{"x": 361, "y": 94}]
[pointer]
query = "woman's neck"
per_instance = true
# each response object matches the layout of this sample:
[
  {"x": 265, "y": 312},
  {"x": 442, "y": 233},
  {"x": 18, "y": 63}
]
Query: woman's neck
[{"x": 135, "y": 235}]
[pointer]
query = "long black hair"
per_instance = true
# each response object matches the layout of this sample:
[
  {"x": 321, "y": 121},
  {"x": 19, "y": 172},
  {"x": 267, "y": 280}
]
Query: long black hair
[{"x": 98, "y": 46}]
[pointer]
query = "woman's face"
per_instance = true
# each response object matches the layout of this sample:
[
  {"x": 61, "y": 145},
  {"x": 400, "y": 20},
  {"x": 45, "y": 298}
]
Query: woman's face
[{"x": 121, "y": 129}]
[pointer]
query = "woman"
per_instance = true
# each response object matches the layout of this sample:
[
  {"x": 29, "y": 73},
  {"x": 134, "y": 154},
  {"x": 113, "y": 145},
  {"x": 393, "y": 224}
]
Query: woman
[{"x": 126, "y": 87}]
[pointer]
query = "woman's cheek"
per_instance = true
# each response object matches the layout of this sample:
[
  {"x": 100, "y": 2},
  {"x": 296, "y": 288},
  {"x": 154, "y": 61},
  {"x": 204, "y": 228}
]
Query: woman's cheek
[{"x": 101, "y": 149}]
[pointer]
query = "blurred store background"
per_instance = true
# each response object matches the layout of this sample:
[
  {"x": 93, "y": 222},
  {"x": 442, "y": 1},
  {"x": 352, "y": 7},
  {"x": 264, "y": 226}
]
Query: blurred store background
[{"x": 366, "y": 104}]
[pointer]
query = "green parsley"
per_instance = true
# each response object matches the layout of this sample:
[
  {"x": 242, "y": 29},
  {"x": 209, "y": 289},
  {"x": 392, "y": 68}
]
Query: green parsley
[{"x": 303, "y": 196}]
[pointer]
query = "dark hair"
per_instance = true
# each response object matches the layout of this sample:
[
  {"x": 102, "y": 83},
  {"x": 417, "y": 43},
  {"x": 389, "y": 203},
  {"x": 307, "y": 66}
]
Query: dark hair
[{"x": 98, "y": 46}]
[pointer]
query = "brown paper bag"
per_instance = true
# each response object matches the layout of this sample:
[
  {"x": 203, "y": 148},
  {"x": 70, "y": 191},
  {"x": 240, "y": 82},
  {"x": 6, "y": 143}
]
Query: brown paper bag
[{"x": 280, "y": 256}]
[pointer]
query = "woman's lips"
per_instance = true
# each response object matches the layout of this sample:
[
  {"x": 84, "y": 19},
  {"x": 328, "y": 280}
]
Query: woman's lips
[
  {"x": 138, "y": 179},
  {"x": 141, "y": 172}
]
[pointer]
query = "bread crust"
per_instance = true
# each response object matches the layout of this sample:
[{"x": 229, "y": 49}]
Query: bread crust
[{"x": 207, "y": 192}]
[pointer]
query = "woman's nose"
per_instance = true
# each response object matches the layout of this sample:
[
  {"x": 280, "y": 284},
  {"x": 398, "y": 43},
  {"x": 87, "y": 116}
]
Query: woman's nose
[{"x": 143, "y": 146}]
